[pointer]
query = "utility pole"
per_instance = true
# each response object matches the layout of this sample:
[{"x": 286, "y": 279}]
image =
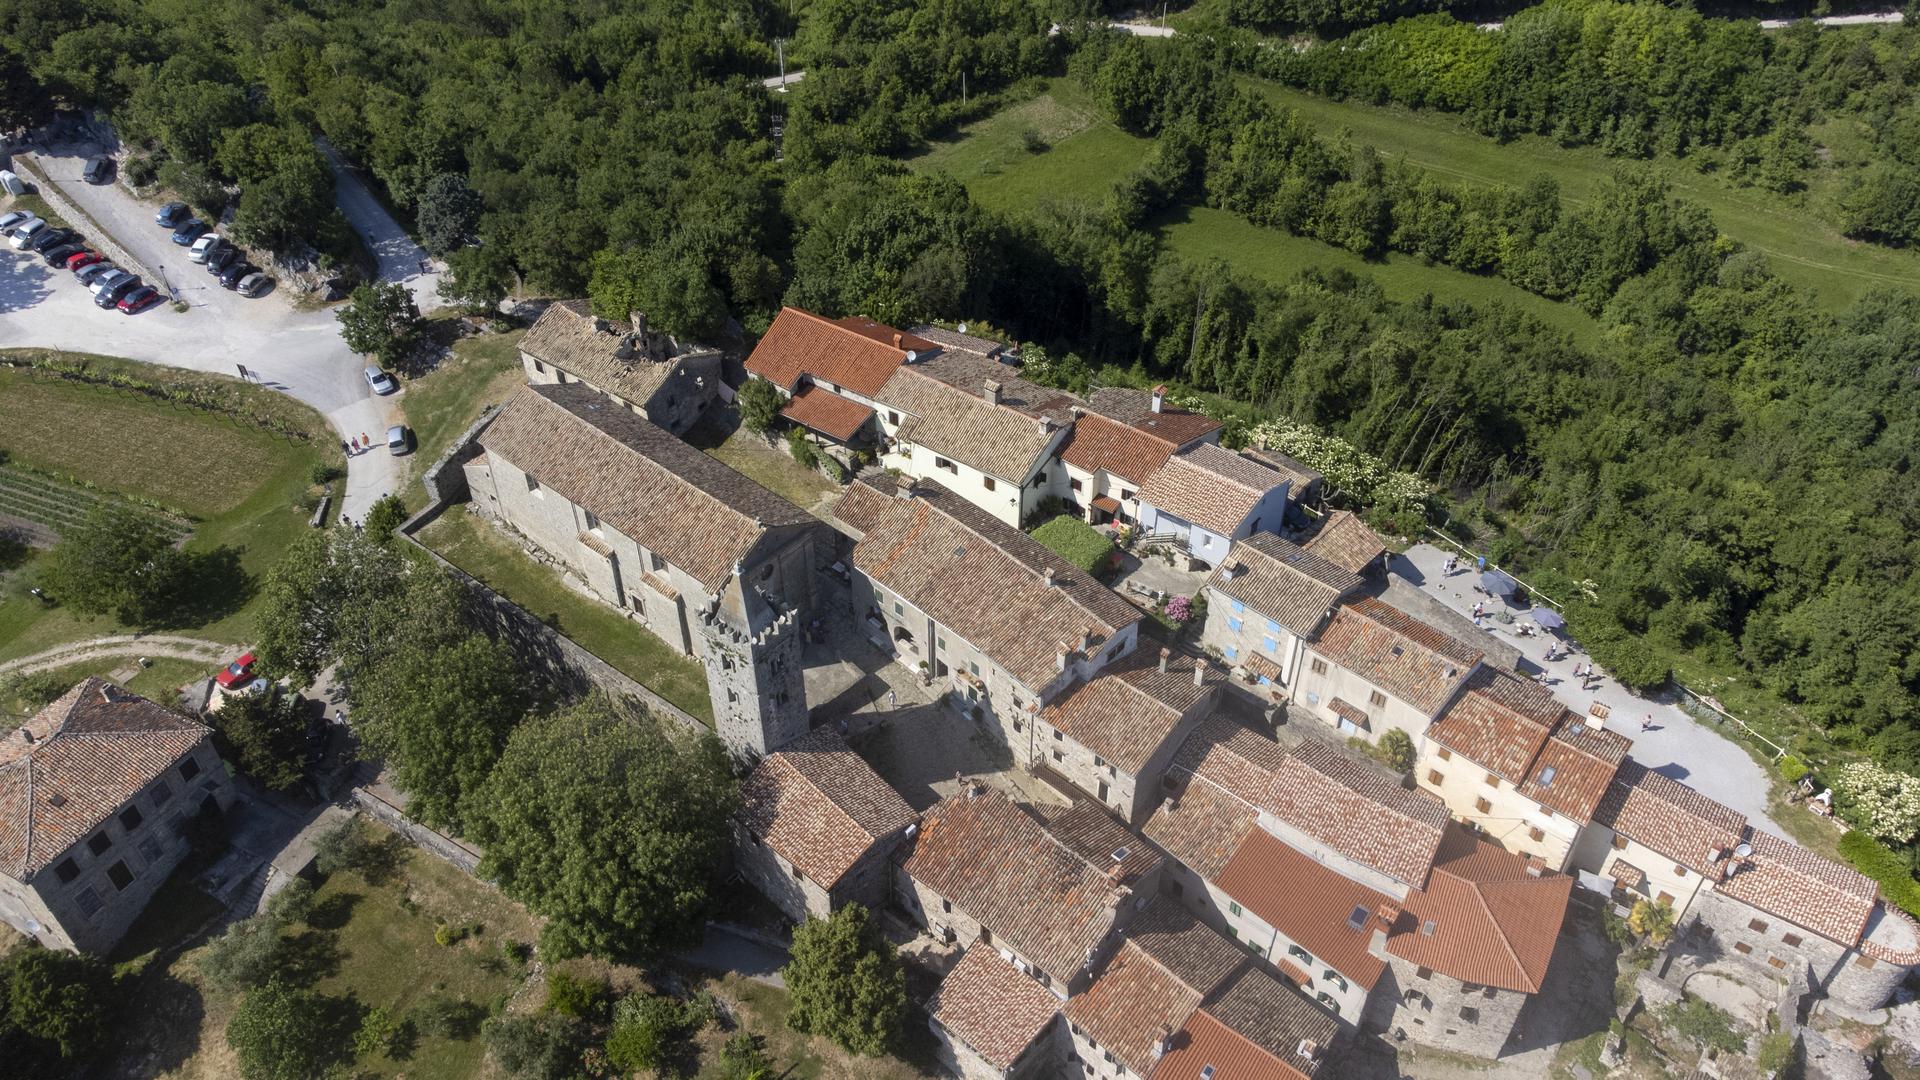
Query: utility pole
[{"x": 963, "y": 89}]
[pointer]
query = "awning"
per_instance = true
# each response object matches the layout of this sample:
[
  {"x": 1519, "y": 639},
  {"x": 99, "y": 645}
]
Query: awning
[
  {"x": 1262, "y": 668},
  {"x": 1106, "y": 502},
  {"x": 1349, "y": 712},
  {"x": 826, "y": 412},
  {"x": 1548, "y": 619},
  {"x": 1626, "y": 875},
  {"x": 1498, "y": 583}
]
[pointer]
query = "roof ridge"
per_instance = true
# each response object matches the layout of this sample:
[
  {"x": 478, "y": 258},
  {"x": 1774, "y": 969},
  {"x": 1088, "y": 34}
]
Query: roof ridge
[
  {"x": 1500, "y": 931},
  {"x": 26, "y": 849},
  {"x": 800, "y": 774},
  {"x": 687, "y": 482}
]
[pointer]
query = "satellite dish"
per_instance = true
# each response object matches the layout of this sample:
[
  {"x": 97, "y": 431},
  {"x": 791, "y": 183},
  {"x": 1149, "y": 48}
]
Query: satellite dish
[
  {"x": 963, "y": 328},
  {"x": 1743, "y": 850},
  {"x": 912, "y": 356}
]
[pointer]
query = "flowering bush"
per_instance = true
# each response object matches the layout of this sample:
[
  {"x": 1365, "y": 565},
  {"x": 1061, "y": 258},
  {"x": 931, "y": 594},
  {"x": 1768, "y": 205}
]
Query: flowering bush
[
  {"x": 1882, "y": 802},
  {"x": 1180, "y": 608},
  {"x": 1348, "y": 469}
]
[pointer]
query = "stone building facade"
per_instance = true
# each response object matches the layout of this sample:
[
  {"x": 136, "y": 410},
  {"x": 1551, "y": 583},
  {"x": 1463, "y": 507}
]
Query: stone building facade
[
  {"x": 1443, "y": 1012},
  {"x": 640, "y": 368},
  {"x": 1374, "y": 667}
]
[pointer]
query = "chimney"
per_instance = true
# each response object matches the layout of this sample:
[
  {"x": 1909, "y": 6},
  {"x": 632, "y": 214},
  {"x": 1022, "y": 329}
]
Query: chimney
[
  {"x": 1164, "y": 653},
  {"x": 992, "y": 387},
  {"x": 624, "y": 350},
  {"x": 602, "y": 326},
  {"x": 1046, "y": 425},
  {"x": 1536, "y": 866},
  {"x": 896, "y": 339},
  {"x": 1427, "y": 928},
  {"x": 1048, "y": 574},
  {"x": 1164, "y": 1043},
  {"x": 639, "y": 321},
  {"x": 1086, "y": 638},
  {"x": 1078, "y": 411},
  {"x": 1060, "y": 652},
  {"x": 903, "y": 486},
  {"x": 1159, "y": 397},
  {"x": 1308, "y": 1049},
  {"x": 1199, "y": 672}
]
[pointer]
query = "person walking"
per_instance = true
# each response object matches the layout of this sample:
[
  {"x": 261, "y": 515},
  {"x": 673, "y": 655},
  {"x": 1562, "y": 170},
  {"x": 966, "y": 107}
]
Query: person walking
[{"x": 1646, "y": 722}]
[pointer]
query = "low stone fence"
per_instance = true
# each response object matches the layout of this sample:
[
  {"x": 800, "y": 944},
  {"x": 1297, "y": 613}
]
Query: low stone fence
[
  {"x": 439, "y": 845},
  {"x": 96, "y": 234}
]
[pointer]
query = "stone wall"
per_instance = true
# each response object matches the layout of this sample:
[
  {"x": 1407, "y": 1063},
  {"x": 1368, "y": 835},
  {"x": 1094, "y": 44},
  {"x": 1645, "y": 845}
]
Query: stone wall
[
  {"x": 773, "y": 877},
  {"x": 446, "y": 479},
  {"x": 1722, "y": 931},
  {"x": 1442, "y": 1012},
  {"x": 442, "y": 847}
]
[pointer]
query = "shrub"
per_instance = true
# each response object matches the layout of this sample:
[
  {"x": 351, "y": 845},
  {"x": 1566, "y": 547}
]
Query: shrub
[
  {"x": 1630, "y": 660},
  {"x": 518, "y": 952},
  {"x": 1077, "y": 542},
  {"x": 1180, "y": 609},
  {"x": 280, "y": 1033},
  {"x": 1652, "y": 919},
  {"x": 343, "y": 847},
  {"x": 1032, "y": 143},
  {"x": 846, "y": 983},
  {"x": 326, "y": 472},
  {"x": 743, "y": 1059},
  {"x": 571, "y": 995},
  {"x": 1874, "y": 859},
  {"x": 647, "y": 1030},
  {"x": 1879, "y": 800},
  {"x": 1776, "y": 1053},
  {"x": 760, "y": 403},
  {"x": 381, "y": 1032},
  {"x": 802, "y": 450},
  {"x": 447, "y": 1018},
  {"x": 1396, "y": 749},
  {"x": 140, "y": 170},
  {"x": 1704, "y": 1023},
  {"x": 542, "y": 1046},
  {"x": 1792, "y": 769}
]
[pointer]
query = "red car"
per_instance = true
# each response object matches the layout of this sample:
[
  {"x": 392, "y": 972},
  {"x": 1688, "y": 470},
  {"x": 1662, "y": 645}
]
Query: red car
[
  {"x": 139, "y": 300},
  {"x": 237, "y": 674},
  {"x": 84, "y": 259}
]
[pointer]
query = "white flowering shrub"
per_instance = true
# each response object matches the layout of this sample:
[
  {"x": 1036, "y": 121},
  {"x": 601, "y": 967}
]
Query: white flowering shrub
[
  {"x": 1884, "y": 803},
  {"x": 1346, "y": 467}
]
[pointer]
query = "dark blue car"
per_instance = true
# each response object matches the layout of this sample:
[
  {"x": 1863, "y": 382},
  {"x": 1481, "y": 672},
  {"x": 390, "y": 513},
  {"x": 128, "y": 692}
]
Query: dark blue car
[{"x": 189, "y": 231}]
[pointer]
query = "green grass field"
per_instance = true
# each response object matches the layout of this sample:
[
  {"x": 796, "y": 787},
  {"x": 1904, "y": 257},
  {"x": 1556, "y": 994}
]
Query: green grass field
[
  {"x": 468, "y": 543},
  {"x": 1804, "y": 248},
  {"x": 1085, "y": 154},
  {"x": 441, "y": 405}
]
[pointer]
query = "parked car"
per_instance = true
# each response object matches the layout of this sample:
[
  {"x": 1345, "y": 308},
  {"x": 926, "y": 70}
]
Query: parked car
[
  {"x": 85, "y": 259},
  {"x": 13, "y": 219},
  {"x": 238, "y": 673},
  {"x": 24, "y": 235},
  {"x": 109, "y": 295},
  {"x": 381, "y": 382},
  {"x": 188, "y": 231},
  {"x": 172, "y": 214},
  {"x": 221, "y": 257},
  {"x": 140, "y": 300},
  {"x": 254, "y": 285},
  {"x": 231, "y": 276},
  {"x": 49, "y": 239},
  {"x": 60, "y": 253},
  {"x": 399, "y": 440},
  {"x": 91, "y": 273},
  {"x": 12, "y": 184},
  {"x": 204, "y": 247},
  {"x": 99, "y": 169}
]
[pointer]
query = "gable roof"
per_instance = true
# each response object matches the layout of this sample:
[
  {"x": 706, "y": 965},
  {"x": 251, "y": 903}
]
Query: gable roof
[
  {"x": 1135, "y": 409},
  {"x": 1087, "y": 830},
  {"x": 1669, "y": 817},
  {"x": 1202, "y": 827},
  {"x": 1345, "y": 539},
  {"x": 1396, "y": 652},
  {"x": 1213, "y": 488},
  {"x": 978, "y": 577},
  {"x": 569, "y": 336},
  {"x": 1098, "y": 442},
  {"x": 1356, "y": 809},
  {"x": 1204, "y": 1042},
  {"x": 1283, "y": 582},
  {"x": 1575, "y": 767},
  {"x": 826, "y": 412},
  {"x": 1235, "y": 759},
  {"x": 992, "y": 1006},
  {"x": 1784, "y": 879},
  {"x": 998, "y": 440},
  {"x": 1308, "y": 902},
  {"x": 1302, "y": 477},
  {"x": 1190, "y": 950},
  {"x": 1272, "y": 1016},
  {"x": 639, "y": 478},
  {"x": 995, "y": 862},
  {"x": 73, "y": 764},
  {"x": 855, "y": 353},
  {"x": 1491, "y": 921},
  {"x": 1499, "y": 722},
  {"x": 1133, "y": 1001},
  {"x": 1126, "y": 713},
  {"x": 820, "y": 807},
  {"x": 967, "y": 363}
]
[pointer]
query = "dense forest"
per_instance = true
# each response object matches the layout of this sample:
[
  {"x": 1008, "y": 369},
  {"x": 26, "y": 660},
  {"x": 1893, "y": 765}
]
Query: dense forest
[{"x": 1731, "y": 467}]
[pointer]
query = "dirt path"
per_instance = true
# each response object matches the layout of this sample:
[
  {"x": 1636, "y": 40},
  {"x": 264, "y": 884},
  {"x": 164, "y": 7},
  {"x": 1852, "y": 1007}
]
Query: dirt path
[{"x": 76, "y": 652}]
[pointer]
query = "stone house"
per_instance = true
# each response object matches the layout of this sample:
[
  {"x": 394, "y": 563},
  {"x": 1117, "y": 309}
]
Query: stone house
[
  {"x": 1517, "y": 766},
  {"x": 96, "y": 791},
  {"x": 818, "y": 828},
  {"x": 1344, "y": 540},
  {"x": 993, "y": 1022},
  {"x": 979, "y": 441},
  {"x": 1304, "y": 485},
  {"x": 710, "y": 562},
  {"x": 1118, "y": 443},
  {"x": 1265, "y": 602},
  {"x": 1375, "y": 667},
  {"x": 999, "y": 622},
  {"x": 644, "y": 370},
  {"x": 1113, "y": 735},
  {"x": 1180, "y": 1001},
  {"x": 1204, "y": 498},
  {"x": 984, "y": 872}
]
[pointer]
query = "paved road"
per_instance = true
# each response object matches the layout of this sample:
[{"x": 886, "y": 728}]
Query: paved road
[
  {"x": 1677, "y": 745},
  {"x": 297, "y": 352},
  {"x": 400, "y": 258}
]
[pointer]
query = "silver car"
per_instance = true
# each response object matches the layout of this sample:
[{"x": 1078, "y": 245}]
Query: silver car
[
  {"x": 381, "y": 382},
  {"x": 399, "y": 440}
]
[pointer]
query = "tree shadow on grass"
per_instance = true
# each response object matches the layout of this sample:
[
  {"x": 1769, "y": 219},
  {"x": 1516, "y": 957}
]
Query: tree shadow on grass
[
  {"x": 308, "y": 957},
  {"x": 333, "y": 912},
  {"x": 212, "y": 585}
]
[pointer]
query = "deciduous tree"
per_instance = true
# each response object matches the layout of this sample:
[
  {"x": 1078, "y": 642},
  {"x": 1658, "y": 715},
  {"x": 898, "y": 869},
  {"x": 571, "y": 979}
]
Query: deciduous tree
[{"x": 846, "y": 982}]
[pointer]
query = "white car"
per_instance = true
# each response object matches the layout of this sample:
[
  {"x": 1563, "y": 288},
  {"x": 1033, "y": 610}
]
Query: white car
[
  {"x": 381, "y": 382},
  {"x": 204, "y": 247},
  {"x": 25, "y": 234},
  {"x": 108, "y": 280}
]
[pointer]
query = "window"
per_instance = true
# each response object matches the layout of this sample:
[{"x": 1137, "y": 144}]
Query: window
[
  {"x": 899, "y": 608},
  {"x": 1758, "y": 926},
  {"x": 1233, "y": 652},
  {"x": 1470, "y": 1014},
  {"x": 1125, "y": 495},
  {"x": 946, "y": 905},
  {"x": 1445, "y": 754},
  {"x": 1058, "y": 734},
  {"x": 655, "y": 563},
  {"x": 539, "y": 367},
  {"x": 1176, "y": 888},
  {"x": 942, "y": 463},
  {"x": 1482, "y": 805},
  {"x": 1493, "y": 781},
  {"x": 1234, "y": 624},
  {"x": 1017, "y": 725},
  {"x": 1233, "y": 907},
  {"x": 1319, "y": 666},
  {"x": 1619, "y": 843},
  {"x": 1776, "y": 962},
  {"x": 1679, "y": 871},
  {"x": 593, "y": 521},
  {"x": 1335, "y": 978},
  {"x": 161, "y": 793},
  {"x": 99, "y": 842},
  {"x": 1326, "y": 999},
  {"x": 532, "y": 484},
  {"x": 1074, "y": 484},
  {"x": 987, "y": 482},
  {"x": 130, "y": 818},
  {"x": 940, "y": 643},
  {"x": 189, "y": 769},
  {"x": 1547, "y": 775},
  {"x": 1791, "y": 941},
  {"x": 1239, "y": 608},
  {"x": 66, "y": 871},
  {"x": 1273, "y": 626},
  {"x": 1423, "y": 973},
  {"x": 1377, "y": 699},
  {"x": 1536, "y": 834},
  {"x": 1664, "y": 898},
  {"x": 974, "y": 666},
  {"x": 120, "y": 875},
  {"x": 797, "y": 875},
  {"x": 1742, "y": 948},
  {"x": 89, "y": 901},
  {"x": 1058, "y": 756},
  {"x": 1272, "y": 645},
  {"x": 1233, "y": 933},
  {"x": 1297, "y": 951},
  {"x": 893, "y": 417},
  {"x": 1434, "y": 777}
]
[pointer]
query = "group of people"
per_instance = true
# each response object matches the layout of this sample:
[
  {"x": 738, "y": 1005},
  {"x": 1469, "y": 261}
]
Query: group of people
[{"x": 359, "y": 445}]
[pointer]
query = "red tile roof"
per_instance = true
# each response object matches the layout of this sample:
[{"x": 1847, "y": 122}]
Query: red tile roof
[
  {"x": 1499, "y": 722},
  {"x": 1668, "y": 817},
  {"x": 1190, "y": 950},
  {"x": 1275, "y": 1017},
  {"x": 1128, "y": 1007},
  {"x": 1283, "y": 582},
  {"x": 1127, "y": 713},
  {"x": 1575, "y": 767},
  {"x": 1202, "y": 827},
  {"x": 1095, "y": 835},
  {"x": 884, "y": 334},
  {"x": 853, "y": 353},
  {"x": 1128, "y": 453},
  {"x": 1213, "y": 488},
  {"x": 1396, "y": 652},
  {"x": 73, "y": 764},
  {"x": 1345, "y": 539},
  {"x": 1205, "y": 1041},
  {"x": 1784, "y": 879},
  {"x": 1357, "y": 809},
  {"x": 569, "y": 336},
  {"x": 996, "y": 863},
  {"x": 1235, "y": 759},
  {"x": 992, "y": 1007},
  {"x": 820, "y": 807},
  {"x": 1490, "y": 922},
  {"x": 1296, "y": 895},
  {"x": 826, "y": 412},
  {"x": 1135, "y": 408},
  {"x": 1626, "y": 875}
]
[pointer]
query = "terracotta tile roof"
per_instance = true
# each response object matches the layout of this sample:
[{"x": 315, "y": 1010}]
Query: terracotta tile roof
[
  {"x": 1784, "y": 879},
  {"x": 1302, "y": 477},
  {"x": 1235, "y": 759},
  {"x": 1190, "y": 950},
  {"x": 969, "y": 370},
  {"x": 73, "y": 764},
  {"x": 856, "y": 354},
  {"x": 1213, "y": 488},
  {"x": 884, "y": 334},
  {"x": 568, "y": 336},
  {"x": 666, "y": 496},
  {"x": 1128, "y": 1007},
  {"x": 1204, "y": 1041},
  {"x": 1126, "y": 713},
  {"x": 1098, "y": 443},
  {"x": 828, "y": 413},
  {"x": 1626, "y": 875},
  {"x": 1358, "y": 809},
  {"x": 1308, "y": 902},
  {"x": 1491, "y": 922},
  {"x": 1351, "y": 713},
  {"x": 1274, "y": 1017},
  {"x": 1668, "y": 816},
  {"x": 1575, "y": 767},
  {"x": 1261, "y": 666},
  {"x": 1095, "y": 835},
  {"x": 1396, "y": 652},
  {"x": 998, "y": 864},
  {"x": 1202, "y": 827},
  {"x": 1345, "y": 539},
  {"x": 1499, "y": 722},
  {"x": 992, "y": 1006},
  {"x": 952, "y": 341},
  {"x": 820, "y": 807},
  {"x": 979, "y": 578},
  {"x": 1135, "y": 409},
  {"x": 1283, "y": 582},
  {"x": 998, "y": 440}
]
